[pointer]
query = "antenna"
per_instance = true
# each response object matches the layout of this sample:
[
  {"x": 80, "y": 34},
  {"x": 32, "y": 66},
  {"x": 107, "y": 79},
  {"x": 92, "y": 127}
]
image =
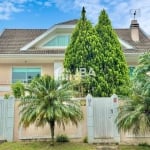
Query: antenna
[{"x": 135, "y": 13}]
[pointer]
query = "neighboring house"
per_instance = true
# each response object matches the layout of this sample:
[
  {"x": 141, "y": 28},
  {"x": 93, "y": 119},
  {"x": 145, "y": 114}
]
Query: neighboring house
[{"x": 26, "y": 53}]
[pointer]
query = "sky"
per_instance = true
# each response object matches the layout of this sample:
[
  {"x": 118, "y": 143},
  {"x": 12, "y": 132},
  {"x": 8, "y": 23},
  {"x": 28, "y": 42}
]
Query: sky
[{"x": 39, "y": 14}]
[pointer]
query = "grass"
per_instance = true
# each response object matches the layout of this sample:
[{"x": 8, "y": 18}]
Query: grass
[
  {"x": 124, "y": 147},
  {"x": 45, "y": 146},
  {"x": 59, "y": 146}
]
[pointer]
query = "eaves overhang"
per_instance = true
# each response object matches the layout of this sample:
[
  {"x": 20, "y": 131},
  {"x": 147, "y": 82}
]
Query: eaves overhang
[
  {"x": 31, "y": 58},
  {"x": 31, "y": 55},
  {"x": 132, "y": 58},
  {"x": 125, "y": 44}
]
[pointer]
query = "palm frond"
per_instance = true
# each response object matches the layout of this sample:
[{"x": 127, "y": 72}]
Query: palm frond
[{"x": 49, "y": 100}]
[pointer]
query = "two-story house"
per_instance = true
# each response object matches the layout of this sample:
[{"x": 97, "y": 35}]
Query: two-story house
[{"x": 26, "y": 53}]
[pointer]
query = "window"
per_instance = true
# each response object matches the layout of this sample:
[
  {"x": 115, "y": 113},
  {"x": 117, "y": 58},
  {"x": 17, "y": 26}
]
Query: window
[
  {"x": 131, "y": 70},
  {"x": 61, "y": 40},
  {"x": 25, "y": 75}
]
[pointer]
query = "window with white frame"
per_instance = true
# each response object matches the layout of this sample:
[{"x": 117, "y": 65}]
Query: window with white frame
[
  {"x": 25, "y": 75},
  {"x": 59, "y": 40}
]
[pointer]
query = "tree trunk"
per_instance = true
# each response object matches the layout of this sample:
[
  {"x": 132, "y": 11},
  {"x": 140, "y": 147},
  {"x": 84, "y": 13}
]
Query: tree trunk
[{"x": 52, "y": 126}]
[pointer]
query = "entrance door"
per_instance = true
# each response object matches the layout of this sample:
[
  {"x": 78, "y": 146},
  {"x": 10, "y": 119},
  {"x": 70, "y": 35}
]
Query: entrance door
[
  {"x": 101, "y": 114},
  {"x": 103, "y": 120}
]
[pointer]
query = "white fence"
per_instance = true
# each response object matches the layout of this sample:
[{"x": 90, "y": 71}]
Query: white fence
[{"x": 6, "y": 119}]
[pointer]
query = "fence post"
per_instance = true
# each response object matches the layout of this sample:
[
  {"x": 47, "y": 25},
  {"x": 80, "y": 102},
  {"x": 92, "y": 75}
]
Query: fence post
[
  {"x": 90, "y": 125},
  {"x": 115, "y": 101}
]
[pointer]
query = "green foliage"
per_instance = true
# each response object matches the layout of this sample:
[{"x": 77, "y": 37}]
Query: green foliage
[
  {"x": 98, "y": 48},
  {"x": 62, "y": 138},
  {"x": 17, "y": 89},
  {"x": 134, "y": 114},
  {"x": 141, "y": 80},
  {"x": 132, "y": 147},
  {"x": 58, "y": 146},
  {"x": 49, "y": 101},
  {"x": 85, "y": 140},
  {"x": 114, "y": 76},
  {"x": 6, "y": 96},
  {"x": 144, "y": 144},
  {"x": 45, "y": 146},
  {"x": 84, "y": 52}
]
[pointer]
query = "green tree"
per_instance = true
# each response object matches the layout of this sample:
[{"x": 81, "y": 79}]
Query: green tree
[
  {"x": 17, "y": 89},
  {"x": 83, "y": 51},
  {"x": 134, "y": 114},
  {"x": 141, "y": 79},
  {"x": 49, "y": 101},
  {"x": 114, "y": 69}
]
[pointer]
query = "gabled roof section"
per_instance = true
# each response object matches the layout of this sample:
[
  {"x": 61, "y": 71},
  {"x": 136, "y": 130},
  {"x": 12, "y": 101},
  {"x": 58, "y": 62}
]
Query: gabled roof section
[
  {"x": 31, "y": 41},
  {"x": 138, "y": 47},
  {"x": 125, "y": 34},
  {"x": 68, "y": 24},
  {"x": 11, "y": 40}
]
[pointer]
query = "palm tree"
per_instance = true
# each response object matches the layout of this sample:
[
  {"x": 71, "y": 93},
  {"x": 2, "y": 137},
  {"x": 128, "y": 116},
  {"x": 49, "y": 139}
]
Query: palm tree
[
  {"x": 49, "y": 101},
  {"x": 134, "y": 114}
]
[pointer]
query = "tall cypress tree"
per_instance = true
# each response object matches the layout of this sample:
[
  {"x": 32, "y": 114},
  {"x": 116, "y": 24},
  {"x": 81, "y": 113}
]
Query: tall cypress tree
[
  {"x": 84, "y": 52},
  {"x": 114, "y": 67}
]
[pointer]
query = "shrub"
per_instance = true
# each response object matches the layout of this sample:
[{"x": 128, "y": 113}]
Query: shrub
[
  {"x": 144, "y": 144},
  {"x": 85, "y": 140},
  {"x": 6, "y": 96},
  {"x": 62, "y": 138},
  {"x": 17, "y": 89}
]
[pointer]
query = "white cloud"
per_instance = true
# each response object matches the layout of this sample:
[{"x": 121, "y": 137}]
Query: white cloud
[
  {"x": 6, "y": 8},
  {"x": 65, "y": 5},
  {"x": 92, "y": 8},
  {"x": 48, "y": 3},
  {"x": 118, "y": 10},
  {"x": 145, "y": 14}
]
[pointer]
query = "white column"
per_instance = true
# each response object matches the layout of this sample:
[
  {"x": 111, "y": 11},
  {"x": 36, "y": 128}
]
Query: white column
[
  {"x": 115, "y": 102},
  {"x": 90, "y": 124},
  {"x": 58, "y": 70}
]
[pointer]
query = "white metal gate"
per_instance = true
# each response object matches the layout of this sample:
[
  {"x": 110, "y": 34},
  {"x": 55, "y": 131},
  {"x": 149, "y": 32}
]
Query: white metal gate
[
  {"x": 101, "y": 114},
  {"x": 6, "y": 119}
]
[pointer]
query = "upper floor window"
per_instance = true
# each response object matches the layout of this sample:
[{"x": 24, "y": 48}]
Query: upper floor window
[
  {"x": 60, "y": 40},
  {"x": 25, "y": 75}
]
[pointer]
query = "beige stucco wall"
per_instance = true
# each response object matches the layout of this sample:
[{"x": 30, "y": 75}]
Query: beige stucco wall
[
  {"x": 5, "y": 78},
  {"x": 33, "y": 132},
  {"x": 6, "y": 74},
  {"x": 128, "y": 138}
]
